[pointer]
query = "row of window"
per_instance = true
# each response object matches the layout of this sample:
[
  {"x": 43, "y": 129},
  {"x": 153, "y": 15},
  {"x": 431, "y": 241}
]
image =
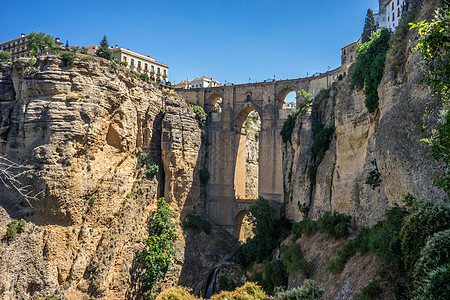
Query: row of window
[
  {"x": 139, "y": 66},
  {"x": 393, "y": 15}
]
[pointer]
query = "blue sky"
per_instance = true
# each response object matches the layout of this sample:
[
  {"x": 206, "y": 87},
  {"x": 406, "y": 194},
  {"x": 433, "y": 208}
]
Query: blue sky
[{"x": 235, "y": 40}]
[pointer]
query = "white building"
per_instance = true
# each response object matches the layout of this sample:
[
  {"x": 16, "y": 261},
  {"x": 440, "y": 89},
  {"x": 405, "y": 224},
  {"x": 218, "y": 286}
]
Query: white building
[
  {"x": 389, "y": 13},
  {"x": 203, "y": 82}
]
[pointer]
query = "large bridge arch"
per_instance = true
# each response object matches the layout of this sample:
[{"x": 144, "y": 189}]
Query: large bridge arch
[{"x": 224, "y": 134}]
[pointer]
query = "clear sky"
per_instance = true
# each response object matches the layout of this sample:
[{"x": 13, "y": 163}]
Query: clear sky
[{"x": 233, "y": 40}]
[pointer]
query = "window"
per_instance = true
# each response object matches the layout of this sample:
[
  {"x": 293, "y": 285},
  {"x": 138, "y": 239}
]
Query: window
[
  {"x": 124, "y": 58},
  {"x": 398, "y": 13},
  {"x": 146, "y": 67},
  {"x": 389, "y": 19},
  {"x": 159, "y": 70},
  {"x": 398, "y": 2},
  {"x": 139, "y": 64},
  {"x": 393, "y": 17},
  {"x": 153, "y": 68},
  {"x": 392, "y": 5},
  {"x": 165, "y": 73},
  {"x": 132, "y": 62}
]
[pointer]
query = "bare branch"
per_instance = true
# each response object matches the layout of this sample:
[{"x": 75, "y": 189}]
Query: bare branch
[{"x": 10, "y": 174}]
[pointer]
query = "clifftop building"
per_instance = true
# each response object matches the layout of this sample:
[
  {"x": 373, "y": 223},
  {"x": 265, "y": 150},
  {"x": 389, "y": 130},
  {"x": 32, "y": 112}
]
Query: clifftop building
[
  {"x": 389, "y": 13},
  {"x": 137, "y": 62},
  {"x": 348, "y": 54},
  {"x": 199, "y": 82},
  {"x": 19, "y": 48}
]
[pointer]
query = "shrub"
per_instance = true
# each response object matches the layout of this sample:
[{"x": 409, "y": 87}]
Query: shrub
[
  {"x": 289, "y": 124},
  {"x": 369, "y": 68},
  {"x": 424, "y": 220},
  {"x": 200, "y": 115},
  {"x": 249, "y": 291},
  {"x": 196, "y": 222},
  {"x": 14, "y": 227},
  {"x": 374, "y": 177},
  {"x": 274, "y": 276},
  {"x": 308, "y": 291},
  {"x": 177, "y": 293},
  {"x": 347, "y": 250},
  {"x": 152, "y": 170},
  {"x": 337, "y": 225},
  {"x": 435, "y": 253},
  {"x": 159, "y": 248},
  {"x": 294, "y": 262},
  {"x": 436, "y": 285},
  {"x": 67, "y": 58},
  {"x": 305, "y": 226},
  {"x": 92, "y": 200},
  {"x": 370, "y": 291}
]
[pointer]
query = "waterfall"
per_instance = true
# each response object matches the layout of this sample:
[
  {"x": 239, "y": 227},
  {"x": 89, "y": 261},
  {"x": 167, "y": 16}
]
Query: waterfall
[{"x": 210, "y": 283}]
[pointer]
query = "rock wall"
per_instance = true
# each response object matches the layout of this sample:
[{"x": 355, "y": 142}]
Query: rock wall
[
  {"x": 82, "y": 130},
  {"x": 389, "y": 140}
]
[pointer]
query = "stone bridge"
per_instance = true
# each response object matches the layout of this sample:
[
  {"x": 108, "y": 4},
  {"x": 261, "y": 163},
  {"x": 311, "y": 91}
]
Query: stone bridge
[{"x": 226, "y": 156}]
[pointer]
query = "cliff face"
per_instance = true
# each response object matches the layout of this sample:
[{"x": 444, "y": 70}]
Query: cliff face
[
  {"x": 82, "y": 129},
  {"x": 389, "y": 140}
]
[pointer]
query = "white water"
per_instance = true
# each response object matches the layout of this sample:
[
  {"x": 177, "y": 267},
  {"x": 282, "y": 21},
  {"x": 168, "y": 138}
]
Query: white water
[{"x": 210, "y": 284}]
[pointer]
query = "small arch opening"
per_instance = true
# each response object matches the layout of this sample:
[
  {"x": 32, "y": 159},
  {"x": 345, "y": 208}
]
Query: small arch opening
[
  {"x": 290, "y": 101},
  {"x": 214, "y": 103},
  {"x": 242, "y": 226}
]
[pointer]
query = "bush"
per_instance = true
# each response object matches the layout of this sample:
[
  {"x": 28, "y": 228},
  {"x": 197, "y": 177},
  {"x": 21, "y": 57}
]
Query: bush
[
  {"x": 5, "y": 55},
  {"x": 337, "y": 225},
  {"x": 436, "y": 284},
  {"x": 305, "y": 226},
  {"x": 424, "y": 220},
  {"x": 308, "y": 291},
  {"x": 200, "y": 114},
  {"x": 196, "y": 222},
  {"x": 226, "y": 284},
  {"x": 370, "y": 291},
  {"x": 347, "y": 250},
  {"x": 67, "y": 58},
  {"x": 294, "y": 261},
  {"x": 249, "y": 291},
  {"x": 14, "y": 227},
  {"x": 152, "y": 170},
  {"x": 177, "y": 293},
  {"x": 374, "y": 177},
  {"x": 159, "y": 247},
  {"x": 369, "y": 68},
  {"x": 434, "y": 254},
  {"x": 274, "y": 276}
]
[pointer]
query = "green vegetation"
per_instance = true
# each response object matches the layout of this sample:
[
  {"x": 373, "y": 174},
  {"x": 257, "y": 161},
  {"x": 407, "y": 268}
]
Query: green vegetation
[
  {"x": 67, "y": 57},
  {"x": 369, "y": 292},
  {"x": 226, "y": 284},
  {"x": 39, "y": 42},
  {"x": 434, "y": 48},
  {"x": 294, "y": 262},
  {"x": 29, "y": 67},
  {"x": 151, "y": 169},
  {"x": 5, "y": 56},
  {"x": 200, "y": 115},
  {"x": 335, "y": 224},
  {"x": 14, "y": 227},
  {"x": 196, "y": 222},
  {"x": 274, "y": 276},
  {"x": 246, "y": 292},
  {"x": 322, "y": 139},
  {"x": 159, "y": 247},
  {"x": 415, "y": 240},
  {"x": 310, "y": 290},
  {"x": 104, "y": 51},
  {"x": 374, "y": 177},
  {"x": 289, "y": 124},
  {"x": 92, "y": 200},
  {"x": 369, "y": 68},
  {"x": 369, "y": 27},
  {"x": 267, "y": 230},
  {"x": 305, "y": 226}
]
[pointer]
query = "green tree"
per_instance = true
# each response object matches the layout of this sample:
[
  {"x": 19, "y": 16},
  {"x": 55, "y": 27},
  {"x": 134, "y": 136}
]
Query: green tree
[
  {"x": 39, "y": 42},
  {"x": 5, "y": 56},
  {"x": 369, "y": 27},
  {"x": 67, "y": 44},
  {"x": 104, "y": 51}
]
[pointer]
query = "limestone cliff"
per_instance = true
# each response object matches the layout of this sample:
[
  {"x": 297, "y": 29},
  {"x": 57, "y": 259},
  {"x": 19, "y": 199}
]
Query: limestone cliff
[
  {"x": 389, "y": 140},
  {"x": 82, "y": 130}
]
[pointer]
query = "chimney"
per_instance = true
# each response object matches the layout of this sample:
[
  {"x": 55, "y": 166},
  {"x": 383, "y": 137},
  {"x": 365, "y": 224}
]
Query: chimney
[
  {"x": 22, "y": 35},
  {"x": 57, "y": 40},
  {"x": 117, "y": 46}
]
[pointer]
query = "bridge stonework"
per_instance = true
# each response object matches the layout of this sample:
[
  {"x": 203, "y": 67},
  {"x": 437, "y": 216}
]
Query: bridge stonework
[{"x": 225, "y": 160}]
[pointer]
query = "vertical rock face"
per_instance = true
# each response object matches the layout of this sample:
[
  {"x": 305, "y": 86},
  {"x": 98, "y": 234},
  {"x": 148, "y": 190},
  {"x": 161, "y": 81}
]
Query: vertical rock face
[
  {"x": 389, "y": 140},
  {"x": 82, "y": 129}
]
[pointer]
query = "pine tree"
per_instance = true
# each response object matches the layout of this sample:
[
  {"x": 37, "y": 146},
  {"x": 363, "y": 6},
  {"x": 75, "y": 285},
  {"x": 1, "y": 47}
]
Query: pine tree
[
  {"x": 104, "y": 51},
  {"x": 67, "y": 44},
  {"x": 369, "y": 26}
]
